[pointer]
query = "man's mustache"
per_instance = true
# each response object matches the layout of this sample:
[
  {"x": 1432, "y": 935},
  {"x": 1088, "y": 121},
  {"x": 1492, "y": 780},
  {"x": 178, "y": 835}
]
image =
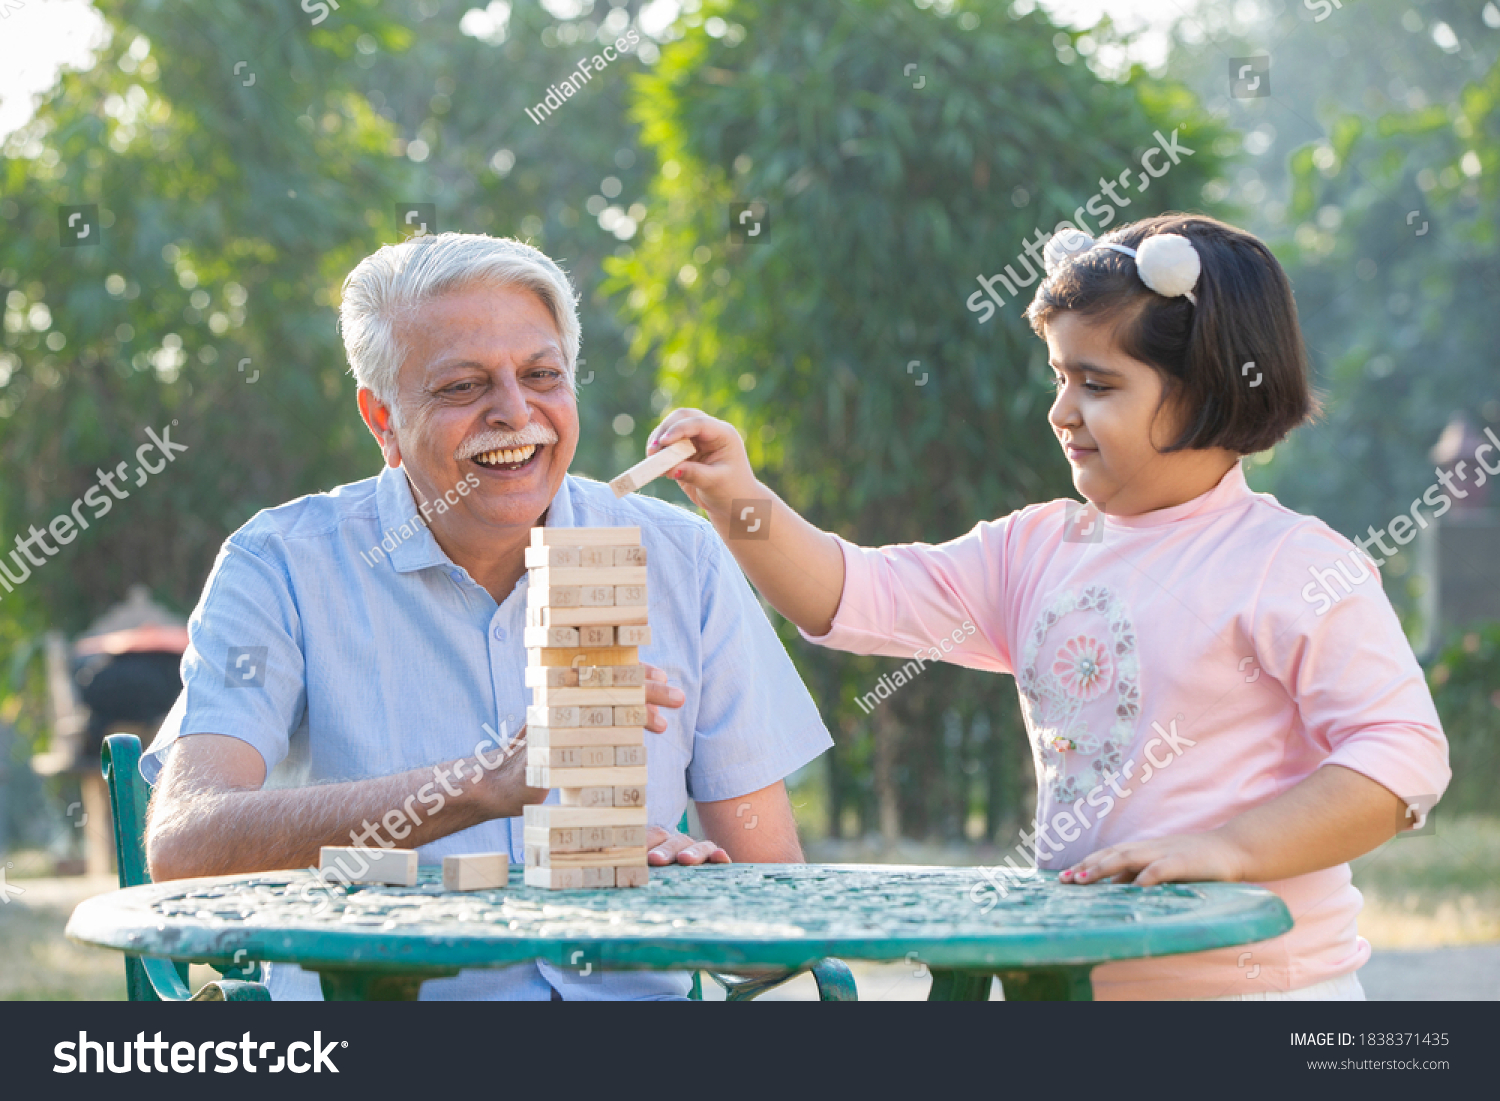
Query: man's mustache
[{"x": 538, "y": 434}]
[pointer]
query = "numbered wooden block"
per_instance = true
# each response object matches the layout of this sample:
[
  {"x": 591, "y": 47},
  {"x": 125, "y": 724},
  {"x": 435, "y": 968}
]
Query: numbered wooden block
[
  {"x": 598, "y": 877},
  {"x": 358, "y": 864},
  {"x": 554, "y": 596},
  {"x": 596, "y": 575},
  {"x": 542, "y": 777},
  {"x": 588, "y": 696},
  {"x": 631, "y": 795},
  {"x": 562, "y": 841},
  {"x": 598, "y": 676},
  {"x": 597, "y": 596},
  {"x": 608, "y": 736},
  {"x": 589, "y": 798},
  {"x": 552, "y": 557},
  {"x": 597, "y": 837},
  {"x": 551, "y": 676},
  {"x": 551, "y": 816},
  {"x": 597, "y": 636},
  {"x": 557, "y": 756},
  {"x": 552, "y": 717},
  {"x": 629, "y": 836},
  {"x": 625, "y": 755},
  {"x": 539, "y": 856},
  {"x": 627, "y": 715},
  {"x": 578, "y": 656},
  {"x": 567, "y": 879},
  {"x": 629, "y": 556},
  {"x": 630, "y": 596},
  {"x": 592, "y": 617},
  {"x": 626, "y": 676},
  {"x": 601, "y": 756},
  {"x": 541, "y": 637},
  {"x": 632, "y": 877},
  {"x": 586, "y": 537},
  {"x": 634, "y": 635},
  {"x": 597, "y": 716},
  {"x": 591, "y": 557},
  {"x": 476, "y": 872}
]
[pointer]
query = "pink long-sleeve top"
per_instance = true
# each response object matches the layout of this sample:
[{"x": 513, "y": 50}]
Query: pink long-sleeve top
[{"x": 1175, "y": 669}]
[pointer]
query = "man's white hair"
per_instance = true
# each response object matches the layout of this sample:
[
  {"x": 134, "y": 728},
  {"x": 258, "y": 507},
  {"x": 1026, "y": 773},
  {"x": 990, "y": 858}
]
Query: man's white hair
[{"x": 391, "y": 283}]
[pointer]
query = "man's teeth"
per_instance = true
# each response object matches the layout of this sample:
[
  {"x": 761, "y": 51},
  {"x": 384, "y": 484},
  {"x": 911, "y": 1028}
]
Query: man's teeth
[{"x": 506, "y": 456}]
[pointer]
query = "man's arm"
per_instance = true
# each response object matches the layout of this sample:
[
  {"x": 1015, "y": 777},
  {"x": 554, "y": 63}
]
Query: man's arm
[
  {"x": 754, "y": 829},
  {"x": 208, "y": 815}
]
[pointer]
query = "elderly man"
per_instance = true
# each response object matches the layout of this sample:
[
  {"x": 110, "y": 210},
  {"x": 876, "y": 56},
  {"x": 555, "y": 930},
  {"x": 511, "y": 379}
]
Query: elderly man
[{"x": 368, "y": 639}]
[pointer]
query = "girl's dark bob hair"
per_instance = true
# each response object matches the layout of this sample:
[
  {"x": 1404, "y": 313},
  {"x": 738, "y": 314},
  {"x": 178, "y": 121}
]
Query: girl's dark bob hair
[{"x": 1245, "y": 315}]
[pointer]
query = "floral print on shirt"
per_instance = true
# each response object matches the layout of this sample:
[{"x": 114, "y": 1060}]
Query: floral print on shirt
[{"x": 1079, "y": 665}]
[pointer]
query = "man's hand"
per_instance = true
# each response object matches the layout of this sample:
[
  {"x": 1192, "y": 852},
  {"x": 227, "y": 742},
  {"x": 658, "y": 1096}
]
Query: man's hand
[
  {"x": 1183, "y": 858},
  {"x": 667, "y": 847},
  {"x": 660, "y": 694}
]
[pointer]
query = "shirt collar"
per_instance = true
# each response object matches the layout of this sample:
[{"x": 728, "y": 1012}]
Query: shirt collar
[
  {"x": 397, "y": 509},
  {"x": 1231, "y": 490}
]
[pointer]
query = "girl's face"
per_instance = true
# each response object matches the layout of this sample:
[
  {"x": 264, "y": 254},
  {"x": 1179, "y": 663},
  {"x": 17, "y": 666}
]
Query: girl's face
[{"x": 1106, "y": 419}]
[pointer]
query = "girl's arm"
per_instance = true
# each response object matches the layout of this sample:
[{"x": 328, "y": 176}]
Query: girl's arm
[
  {"x": 796, "y": 567},
  {"x": 1331, "y": 817}
]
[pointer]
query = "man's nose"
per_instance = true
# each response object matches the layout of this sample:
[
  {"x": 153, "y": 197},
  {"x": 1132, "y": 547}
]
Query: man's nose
[{"x": 508, "y": 405}]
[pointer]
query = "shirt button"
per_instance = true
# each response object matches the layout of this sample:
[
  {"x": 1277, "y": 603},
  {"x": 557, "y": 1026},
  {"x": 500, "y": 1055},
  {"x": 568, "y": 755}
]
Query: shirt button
[{"x": 500, "y": 634}]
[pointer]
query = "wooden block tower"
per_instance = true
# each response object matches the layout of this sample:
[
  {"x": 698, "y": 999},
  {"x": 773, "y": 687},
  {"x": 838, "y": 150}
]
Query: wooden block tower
[{"x": 586, "y": 615}]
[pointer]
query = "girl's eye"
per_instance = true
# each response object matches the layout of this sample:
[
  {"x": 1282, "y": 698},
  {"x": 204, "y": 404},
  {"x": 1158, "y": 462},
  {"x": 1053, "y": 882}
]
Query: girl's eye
[{"x": 1094, "y": 388}]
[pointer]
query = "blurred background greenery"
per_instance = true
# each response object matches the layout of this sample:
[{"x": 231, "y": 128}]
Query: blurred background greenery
[{"x": 230, "y": 212}]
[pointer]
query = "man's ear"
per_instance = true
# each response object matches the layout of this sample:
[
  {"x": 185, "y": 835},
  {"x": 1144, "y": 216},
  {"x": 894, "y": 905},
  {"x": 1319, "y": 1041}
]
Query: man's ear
[{"x": 381, "y": 422}]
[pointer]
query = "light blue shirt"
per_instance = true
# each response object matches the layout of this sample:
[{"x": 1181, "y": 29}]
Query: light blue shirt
[{"x": 340, "y": 661}]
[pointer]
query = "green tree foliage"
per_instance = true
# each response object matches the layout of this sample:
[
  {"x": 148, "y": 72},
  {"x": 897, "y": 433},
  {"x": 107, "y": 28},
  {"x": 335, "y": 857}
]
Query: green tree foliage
[
  {"x": 1465, "y": 682},
  {"x": 840, "y": 342}
]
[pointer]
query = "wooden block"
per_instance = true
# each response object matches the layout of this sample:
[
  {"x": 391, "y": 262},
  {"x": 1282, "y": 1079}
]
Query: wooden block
[
  {"x": 625, "y": 715},
  {"x": 554, "y": 717},
  {"x": 592, "y": 617},
  {"x": 631, "y": 795},
  {"x": 539, "y": 777},
  {"x": 595, "y": 557},
  {"x": 605, "y": 756},
  {"x": 562, "y": 841},
  {"x": 590, "y": 798},
  {"x": 546, "y": 557},
  {"x": 593, "y": 575},
  {"x": 632, "y": 877},
  {"x": 545, "y": 637},
  {"x": 597, "y": 716},
  {"x": 634, "y": 636},
  {"x": 476, "y": 872},
  {"x": 539, "y": 856},
  {"x": 359, "y": 864},
  {"x": 598, "y": 877},
  {"x": 652, "y": 467},
  {"x": 585, "y": 537},
  {"x": 596, "y": 635},
  {"x": 597, "y": 596},
  {"x": 598, "y": 655},
  {"x": 629, "y": 596},
  {"x": 557, "y": 756},
  {"x": 597, "y": 837},
  {"x": 550, "y": 816},
  {"x": 555, "y": 596},
  {"x": 610, "y": 736},
  {"x": 625, "y": 676},
  {"x": 589, "y": 696},
  {"x": 551, "y": 676},
  {"x": 629, "y": 836},
  {"x": 599, "y": 676},
  {"x": 629, "y": 556},
  {"x": 567, "y": 879},
  {"x": 625, "y": 756}
]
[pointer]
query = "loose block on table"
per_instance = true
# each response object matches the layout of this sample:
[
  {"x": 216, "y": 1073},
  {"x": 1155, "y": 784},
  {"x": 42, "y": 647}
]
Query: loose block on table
[
  {"x": 392, "y": 867},
  {"x": 585, "y": 537},
  {"x": 476, "y": 872},
  {"x": 652, "y": 467}
]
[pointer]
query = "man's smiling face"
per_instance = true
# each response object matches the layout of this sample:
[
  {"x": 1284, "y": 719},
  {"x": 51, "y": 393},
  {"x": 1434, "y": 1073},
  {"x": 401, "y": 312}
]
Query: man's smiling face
[{"x": 485, "y": 373}]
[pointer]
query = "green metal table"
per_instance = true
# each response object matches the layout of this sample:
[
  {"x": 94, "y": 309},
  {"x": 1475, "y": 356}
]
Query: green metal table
[{"x": 1042, "y": 939}]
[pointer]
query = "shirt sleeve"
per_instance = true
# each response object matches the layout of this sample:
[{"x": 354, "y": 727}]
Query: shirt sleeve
[
  {"x": 243, "y": 672},
  {"x": 1358, "y": 689},
  {"x": 756, "y": 722},
  {"x": 937, "y": 603}
]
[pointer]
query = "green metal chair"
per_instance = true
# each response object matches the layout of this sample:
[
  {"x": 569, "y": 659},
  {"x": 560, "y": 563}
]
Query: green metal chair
[
  {"x": 153, "y": 980},
  {"x": 147, "y": 979}
]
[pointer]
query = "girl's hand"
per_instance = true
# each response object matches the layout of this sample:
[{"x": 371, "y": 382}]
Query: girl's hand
[
  {"x": 1183, "y": 858},
  {"x": 720, "y": 473}
]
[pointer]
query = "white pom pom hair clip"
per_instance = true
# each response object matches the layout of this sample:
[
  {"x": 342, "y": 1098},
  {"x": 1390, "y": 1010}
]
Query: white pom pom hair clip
[{"x": 1168, "y": 263}]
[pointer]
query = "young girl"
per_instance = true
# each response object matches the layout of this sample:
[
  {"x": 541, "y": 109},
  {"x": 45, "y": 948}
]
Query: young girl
[{"x": 1212, "y": 690}]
